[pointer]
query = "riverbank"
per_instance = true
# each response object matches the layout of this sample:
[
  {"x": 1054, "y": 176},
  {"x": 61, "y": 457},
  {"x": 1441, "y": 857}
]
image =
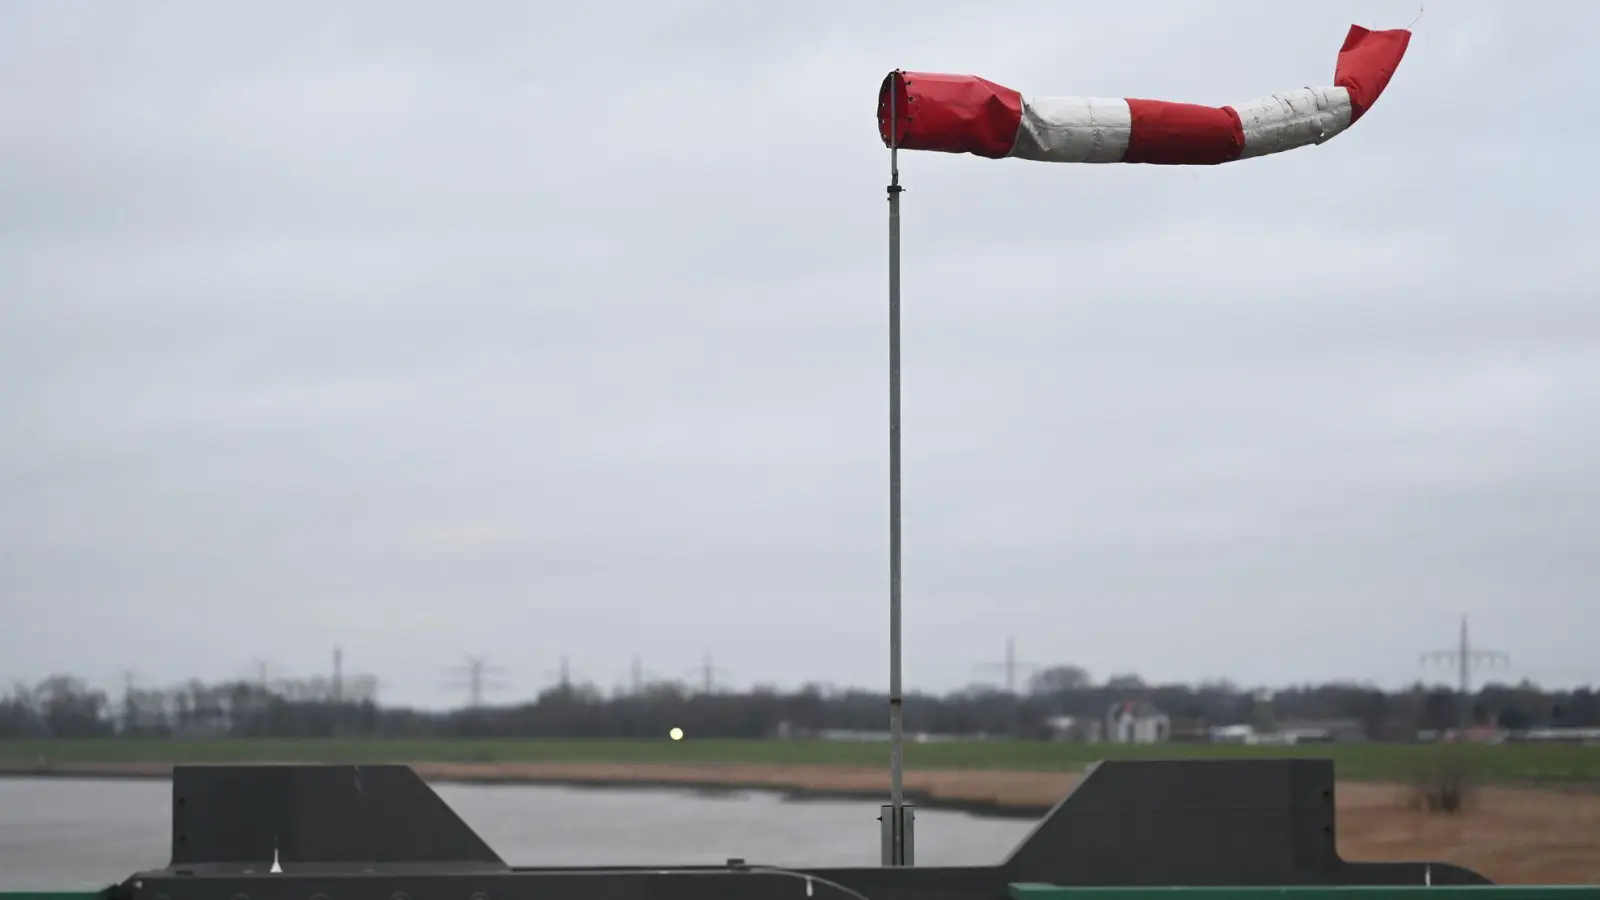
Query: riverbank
[
  {"x": 1012, "y": 778},
  {"x": 1514, "y": 835},
  {"x": 1012, "y": 793},
  {"x": 1505, "y": 763}
]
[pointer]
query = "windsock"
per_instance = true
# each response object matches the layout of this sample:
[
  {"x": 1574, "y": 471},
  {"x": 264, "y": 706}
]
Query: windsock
[{"x": 967, "y": 114}]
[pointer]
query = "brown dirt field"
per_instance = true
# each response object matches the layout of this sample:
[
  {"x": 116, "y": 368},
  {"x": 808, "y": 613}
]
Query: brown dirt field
[{"x": 1512, "y": 835}]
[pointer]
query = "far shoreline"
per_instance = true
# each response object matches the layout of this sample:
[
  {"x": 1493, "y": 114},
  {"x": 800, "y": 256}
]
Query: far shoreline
[
  {"x": 991, "y": 793},
  {"x": 988, "y": 793},
  {"x": 993, "y": 779}
]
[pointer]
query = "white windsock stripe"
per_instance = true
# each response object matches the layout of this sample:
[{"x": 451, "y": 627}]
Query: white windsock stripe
[
  {"x": 1073, "y": 129},
  {"x": 1293, "y": 119}
]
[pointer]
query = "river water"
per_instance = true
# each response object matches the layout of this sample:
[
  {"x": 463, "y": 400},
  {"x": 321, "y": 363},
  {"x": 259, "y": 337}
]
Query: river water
[{"x": 71, "y": 834}]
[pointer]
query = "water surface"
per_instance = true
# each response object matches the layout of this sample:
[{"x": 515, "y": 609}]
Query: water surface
[{"x": 68, "y": 834}]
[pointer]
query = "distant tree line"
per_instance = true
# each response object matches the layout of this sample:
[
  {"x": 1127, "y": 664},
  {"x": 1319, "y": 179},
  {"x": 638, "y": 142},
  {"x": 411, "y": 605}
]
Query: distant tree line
[{"x": 66, "y": 707}]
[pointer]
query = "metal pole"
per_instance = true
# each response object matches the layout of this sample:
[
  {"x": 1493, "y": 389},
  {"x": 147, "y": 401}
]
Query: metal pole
[{"x": 898, "y": 846}]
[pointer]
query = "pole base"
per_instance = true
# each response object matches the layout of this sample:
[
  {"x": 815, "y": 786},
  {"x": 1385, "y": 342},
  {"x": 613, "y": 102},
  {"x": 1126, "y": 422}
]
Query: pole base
[{"x": 899, "y": 844}]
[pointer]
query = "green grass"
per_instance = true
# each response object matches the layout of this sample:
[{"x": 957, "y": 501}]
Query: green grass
[{"x": 1507, "y": 762}]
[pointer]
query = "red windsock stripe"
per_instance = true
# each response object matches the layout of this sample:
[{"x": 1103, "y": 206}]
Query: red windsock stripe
[{"x": 1182, "y": 134}]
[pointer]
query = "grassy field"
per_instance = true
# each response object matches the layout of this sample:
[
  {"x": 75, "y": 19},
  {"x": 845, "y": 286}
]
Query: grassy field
[{"x": 1507, "y": 762}]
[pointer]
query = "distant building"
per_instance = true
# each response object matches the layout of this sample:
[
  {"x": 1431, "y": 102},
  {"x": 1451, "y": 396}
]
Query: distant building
[
  {"x": 1322, "y": 731},
  {"x": 1478, "y": 734},
  {"x": 1233, "y": 734},
  {"x": 1282, "y": 734},
  {"x": 1137, "y": 722},
  {"x": 1190, "y": 730},
  {"x": 1077, "y": 729},
  {"x": 790, "y": 731},
  {"x": 1589, "y": 736}
]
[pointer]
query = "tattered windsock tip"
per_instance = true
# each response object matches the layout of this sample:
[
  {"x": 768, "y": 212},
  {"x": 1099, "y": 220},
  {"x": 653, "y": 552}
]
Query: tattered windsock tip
[
  {"x": 967, "y": 114},
  {"x": 1367, "y": 61}
]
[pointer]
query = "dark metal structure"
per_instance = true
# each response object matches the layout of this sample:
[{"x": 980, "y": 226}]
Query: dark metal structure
[{"x": 380, "y": 833}]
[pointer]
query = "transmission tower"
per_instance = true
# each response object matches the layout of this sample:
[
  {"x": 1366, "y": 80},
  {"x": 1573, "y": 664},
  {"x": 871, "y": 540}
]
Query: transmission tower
[
  {"x": 338, "y": 674},
  {"x": 1010, "y": 666},
  {"x": 130, "y": 705},
  {"x": 707, "y": 672},
  {"x": 1464, "y": 657},
  {"x": 638, "y": 678},
  {"x": 565, "y": 678},
  {"x": 477, "y": 677},
  {"x": 260, "y": 665}
]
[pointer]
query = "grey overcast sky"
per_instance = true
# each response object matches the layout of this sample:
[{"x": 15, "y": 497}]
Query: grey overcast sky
[{"x": 529, "y": 328}]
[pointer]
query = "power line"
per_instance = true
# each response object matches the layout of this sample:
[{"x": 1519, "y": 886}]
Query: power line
[
  {"x": 1465, "y": 657},
  {"x": 477, "y": 677},
  {"x": 1558, "y": 672}
]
